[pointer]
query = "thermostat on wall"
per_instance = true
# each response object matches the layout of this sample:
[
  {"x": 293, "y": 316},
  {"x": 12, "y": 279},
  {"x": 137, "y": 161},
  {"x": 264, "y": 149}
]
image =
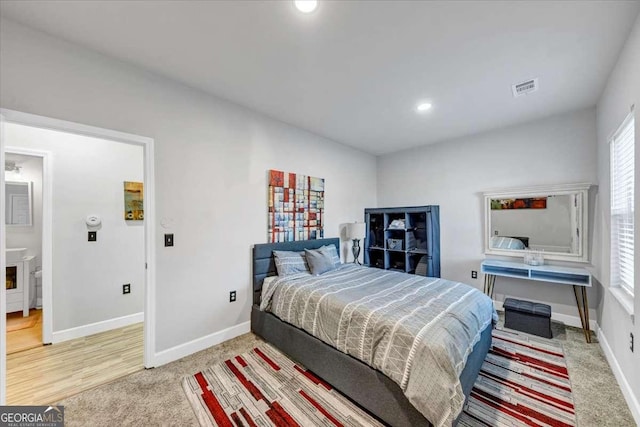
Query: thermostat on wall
[{"x": 93, "y": 220}]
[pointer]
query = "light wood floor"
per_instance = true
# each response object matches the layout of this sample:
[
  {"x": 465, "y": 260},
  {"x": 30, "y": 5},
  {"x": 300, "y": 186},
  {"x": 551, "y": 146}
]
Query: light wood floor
[
  {"x": 48, "y": 374},
  {"x": 24, "y": 333}
]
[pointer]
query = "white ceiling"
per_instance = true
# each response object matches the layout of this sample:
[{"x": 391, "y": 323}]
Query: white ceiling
[{"x": 353, "y": 71}]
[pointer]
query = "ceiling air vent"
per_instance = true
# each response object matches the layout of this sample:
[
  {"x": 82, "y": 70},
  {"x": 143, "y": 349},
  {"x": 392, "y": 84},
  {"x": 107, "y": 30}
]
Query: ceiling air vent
[{"x": 525, "y": 87}]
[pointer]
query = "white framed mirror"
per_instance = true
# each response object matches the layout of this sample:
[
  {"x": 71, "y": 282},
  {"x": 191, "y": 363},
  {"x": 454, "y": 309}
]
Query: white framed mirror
[
  {"x": 553, "y": 219},
  {"x": 18, "y": 204}
]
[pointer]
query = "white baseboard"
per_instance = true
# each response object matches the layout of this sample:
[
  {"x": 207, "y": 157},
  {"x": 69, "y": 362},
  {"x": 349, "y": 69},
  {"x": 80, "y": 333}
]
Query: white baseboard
[
  {"x": 95, "y": 328},
  {"x": 564, "y": 318},
  {"x": 178, "y": 352},
  {"x": 627, "y": 391}
]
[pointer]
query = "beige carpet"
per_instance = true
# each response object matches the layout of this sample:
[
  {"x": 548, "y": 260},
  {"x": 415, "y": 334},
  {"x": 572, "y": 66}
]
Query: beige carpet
[{"x": 155, "y": 397}]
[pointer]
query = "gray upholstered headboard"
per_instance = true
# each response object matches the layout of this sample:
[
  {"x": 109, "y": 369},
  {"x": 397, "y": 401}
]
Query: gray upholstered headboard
[{"x": 264, "y": 264}]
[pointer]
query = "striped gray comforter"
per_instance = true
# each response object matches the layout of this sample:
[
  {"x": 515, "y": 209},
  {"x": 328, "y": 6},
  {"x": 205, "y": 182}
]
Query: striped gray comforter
[{"x": 416, "y": 330}]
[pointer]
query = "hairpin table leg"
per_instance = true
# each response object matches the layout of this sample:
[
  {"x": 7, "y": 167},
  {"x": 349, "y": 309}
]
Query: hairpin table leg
[
  {"x": 489, "y": 282},
  {"x": 583, "y": 310}
]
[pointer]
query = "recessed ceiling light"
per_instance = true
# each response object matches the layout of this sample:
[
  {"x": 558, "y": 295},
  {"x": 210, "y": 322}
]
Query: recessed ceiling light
[
  {"x": 423, "y": 106},
  {"x": 306, "y": 6}
]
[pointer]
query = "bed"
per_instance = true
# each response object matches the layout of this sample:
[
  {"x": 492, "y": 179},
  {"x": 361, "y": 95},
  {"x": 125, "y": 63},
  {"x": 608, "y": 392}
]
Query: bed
[
  {"x": 505, "y": 242},
  {"x": 366, "y": 386}
]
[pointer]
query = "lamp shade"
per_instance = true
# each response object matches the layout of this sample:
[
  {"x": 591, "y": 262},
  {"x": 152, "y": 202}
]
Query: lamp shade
[{"x": 356, "y": 230}]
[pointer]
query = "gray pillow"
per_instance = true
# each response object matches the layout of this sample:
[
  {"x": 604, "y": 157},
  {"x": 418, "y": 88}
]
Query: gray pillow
[
  {"x": 289, "y": 262},
  {"x": 320, "y": 260},
  {"x": 333, "y": 252}
]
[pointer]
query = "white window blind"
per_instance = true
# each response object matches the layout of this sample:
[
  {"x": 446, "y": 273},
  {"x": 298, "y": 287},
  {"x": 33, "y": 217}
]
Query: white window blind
[{"x": 622, "y": 205}]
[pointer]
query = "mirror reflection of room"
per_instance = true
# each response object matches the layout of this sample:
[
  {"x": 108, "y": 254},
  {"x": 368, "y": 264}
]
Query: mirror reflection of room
[
  {"x": 551, "y": 226},
  {"x": 548, "y": 222}
]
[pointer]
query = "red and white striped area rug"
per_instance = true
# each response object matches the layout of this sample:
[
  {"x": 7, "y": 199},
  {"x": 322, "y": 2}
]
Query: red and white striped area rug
[
  {"x": 265, "y": 388},
  {"x": 523, "y": 382}
]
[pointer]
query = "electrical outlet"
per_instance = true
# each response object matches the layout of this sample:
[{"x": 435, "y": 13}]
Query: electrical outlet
[
  {"x": 474, "y": 274},
  {"x": 495, "y": 232},
  {"x": 631, "y": 341},
  {"x": 126, "y": 288},
  {"x": 232, "y": 296},
  {"x": 168, "y": 239},
  {"x": 93, "y": 236}
]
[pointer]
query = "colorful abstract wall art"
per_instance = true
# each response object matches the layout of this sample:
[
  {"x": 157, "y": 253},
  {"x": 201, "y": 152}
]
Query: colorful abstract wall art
[
  {"x": 296, "y": 207},
  {"x": 133, "y": 201},
  {"x": 529, "y": 203}
]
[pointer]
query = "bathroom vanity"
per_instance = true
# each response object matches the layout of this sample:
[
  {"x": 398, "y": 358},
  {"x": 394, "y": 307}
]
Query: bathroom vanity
[{"x": 17, "y": 281}]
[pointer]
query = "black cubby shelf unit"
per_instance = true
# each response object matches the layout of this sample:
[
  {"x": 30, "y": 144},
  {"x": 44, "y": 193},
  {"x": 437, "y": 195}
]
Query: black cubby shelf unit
[{"x": 403, "y": 239}]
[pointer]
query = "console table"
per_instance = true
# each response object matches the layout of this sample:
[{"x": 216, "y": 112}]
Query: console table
[{"x": 579, "y": 278}]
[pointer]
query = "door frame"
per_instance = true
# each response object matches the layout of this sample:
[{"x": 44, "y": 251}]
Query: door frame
[
  {"x": 12, "y": 116},
  {"x": 3, "y": 272}
]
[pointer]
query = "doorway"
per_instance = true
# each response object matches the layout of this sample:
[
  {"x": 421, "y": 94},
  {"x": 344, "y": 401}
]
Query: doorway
[
  {"x": 25, "y": 184},
  {"x": 147, "y": 282}
]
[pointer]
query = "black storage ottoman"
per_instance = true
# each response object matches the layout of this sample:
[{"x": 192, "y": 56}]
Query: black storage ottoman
[{"x": 526, "y": 316}]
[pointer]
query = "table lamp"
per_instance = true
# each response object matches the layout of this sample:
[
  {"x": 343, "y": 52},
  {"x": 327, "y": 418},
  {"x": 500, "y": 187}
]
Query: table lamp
[{"x": 355, "y": 232}]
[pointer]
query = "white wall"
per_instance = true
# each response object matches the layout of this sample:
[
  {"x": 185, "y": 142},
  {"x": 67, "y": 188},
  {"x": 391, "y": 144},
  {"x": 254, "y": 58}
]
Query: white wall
[
  {"x": 622, "y": 91},
  {"x": 454, "y": 174},
  {"x": 211, "y": 161},
  {"x": 87, "y": 176}
]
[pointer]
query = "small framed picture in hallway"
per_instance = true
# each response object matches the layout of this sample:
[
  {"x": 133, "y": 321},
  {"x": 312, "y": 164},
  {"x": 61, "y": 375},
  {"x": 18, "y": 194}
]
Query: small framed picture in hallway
[{"x": 133, "y": 201}]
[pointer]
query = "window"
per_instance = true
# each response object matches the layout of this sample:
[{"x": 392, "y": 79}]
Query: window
[{"x": 622, "y": 205}]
